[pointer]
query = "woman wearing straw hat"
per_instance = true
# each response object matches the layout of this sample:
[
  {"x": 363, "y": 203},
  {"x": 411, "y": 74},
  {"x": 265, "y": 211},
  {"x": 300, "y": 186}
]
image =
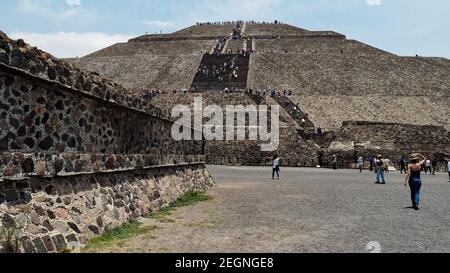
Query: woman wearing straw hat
[{"x": 413, "y": 178}]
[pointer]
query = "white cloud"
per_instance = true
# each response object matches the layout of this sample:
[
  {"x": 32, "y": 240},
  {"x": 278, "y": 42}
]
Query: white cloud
[
  {"x": 374, "y": 2},
  {"x": 73, "y": 2},
  {"x": 47, "y": 8},
  {"x": 33, "y": 6},
  {"x": 237, "y": 9},
  {"x": 70, "y": 44},
  {"x": 157, "y": 23}
]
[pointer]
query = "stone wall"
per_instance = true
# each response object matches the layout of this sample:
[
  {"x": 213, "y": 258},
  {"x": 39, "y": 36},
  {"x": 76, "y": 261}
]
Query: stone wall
[
  {"x": 392, "y": 140},
  {"x": 17, "y": 56},
  {"x": 48, "y": 117},
  {"x": 391, "y": 136},
  {"x": 39, "y": 118},
  {"x": 56, "y": 211},
  {"x": 79, "y": 154}
]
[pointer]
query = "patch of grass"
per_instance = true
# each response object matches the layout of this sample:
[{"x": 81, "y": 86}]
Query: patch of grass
[
  {"x": 118, "y": 235},
  {"x": 121, "y": 244},
  {"x": 189, "y": 199},
  {"x": 161, "y": 214}
]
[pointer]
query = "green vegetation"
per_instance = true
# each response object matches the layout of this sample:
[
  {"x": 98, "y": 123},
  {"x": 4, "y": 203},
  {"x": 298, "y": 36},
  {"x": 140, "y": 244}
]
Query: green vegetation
[
  {"x": 118, "y": 235},
  {"x": 189, "y": 199},
  {"x": 10, "y": 232}
]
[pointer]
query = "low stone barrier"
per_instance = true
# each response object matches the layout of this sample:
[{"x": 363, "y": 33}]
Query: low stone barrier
[
  {"x": 17, "y": 165},
  {"x": 56, "y": 211}
]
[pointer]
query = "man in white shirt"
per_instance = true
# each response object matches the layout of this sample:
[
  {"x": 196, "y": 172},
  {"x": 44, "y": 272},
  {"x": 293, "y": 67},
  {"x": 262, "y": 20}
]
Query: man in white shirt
[{"x": 428, "y": 166}]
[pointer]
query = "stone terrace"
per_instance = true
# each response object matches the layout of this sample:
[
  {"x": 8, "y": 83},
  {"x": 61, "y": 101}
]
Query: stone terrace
[
  {"x": 156, "y": 48},
  {"x": 206, "y": 30},
  {"x": 316, "y": 45},
  {"x": 140, "y": 72},
  {"x": 272, "y": 29},
  {"x": 334, "y": 88},
  {"x": 168, "y": 65},
  {"x": 348, "y": 74},
  {"x": 330, "y": 111}
]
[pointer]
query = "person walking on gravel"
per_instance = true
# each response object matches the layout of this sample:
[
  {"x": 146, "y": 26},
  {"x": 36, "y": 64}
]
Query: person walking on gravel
[
  {"x": 380, "y": 168},
  {"x": 334, "y": 162},
  {"x": 360, "y": 164},
  {"x": 275, "y": 167},
  {"x": 428, "y": 166},
  {"x": 403, "y": 165},
  {"x": 434, "y": 163},
  {"x": 413, "y": 178},
  {"x": 448, "y": 168}
]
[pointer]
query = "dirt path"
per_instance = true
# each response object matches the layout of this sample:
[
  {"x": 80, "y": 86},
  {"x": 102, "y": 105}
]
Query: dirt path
[{"x": 310, "y": 210}]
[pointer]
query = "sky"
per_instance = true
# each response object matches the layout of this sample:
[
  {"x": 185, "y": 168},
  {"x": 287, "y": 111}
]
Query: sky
[{"x": 74, "y": 28}]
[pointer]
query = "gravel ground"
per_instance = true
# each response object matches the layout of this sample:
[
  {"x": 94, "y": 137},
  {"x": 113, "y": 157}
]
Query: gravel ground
[{"x": 309, "y": 210}]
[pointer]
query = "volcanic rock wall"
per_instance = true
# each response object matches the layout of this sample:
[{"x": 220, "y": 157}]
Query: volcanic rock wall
[
  {"x": 79, "y": 155},
  {"x": 391, "y": 136}
]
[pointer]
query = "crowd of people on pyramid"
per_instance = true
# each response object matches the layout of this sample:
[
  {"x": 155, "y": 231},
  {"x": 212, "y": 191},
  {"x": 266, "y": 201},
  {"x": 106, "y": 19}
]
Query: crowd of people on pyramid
[
  {"x": 148, "y": 94},
  {"x": 237, "y": 30},
  {"x": 219, "y": 72},
  {"x": 276, "y": 22},
  {"x": 270, "y": 92},
  {"x": 219, "y": 47}
]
